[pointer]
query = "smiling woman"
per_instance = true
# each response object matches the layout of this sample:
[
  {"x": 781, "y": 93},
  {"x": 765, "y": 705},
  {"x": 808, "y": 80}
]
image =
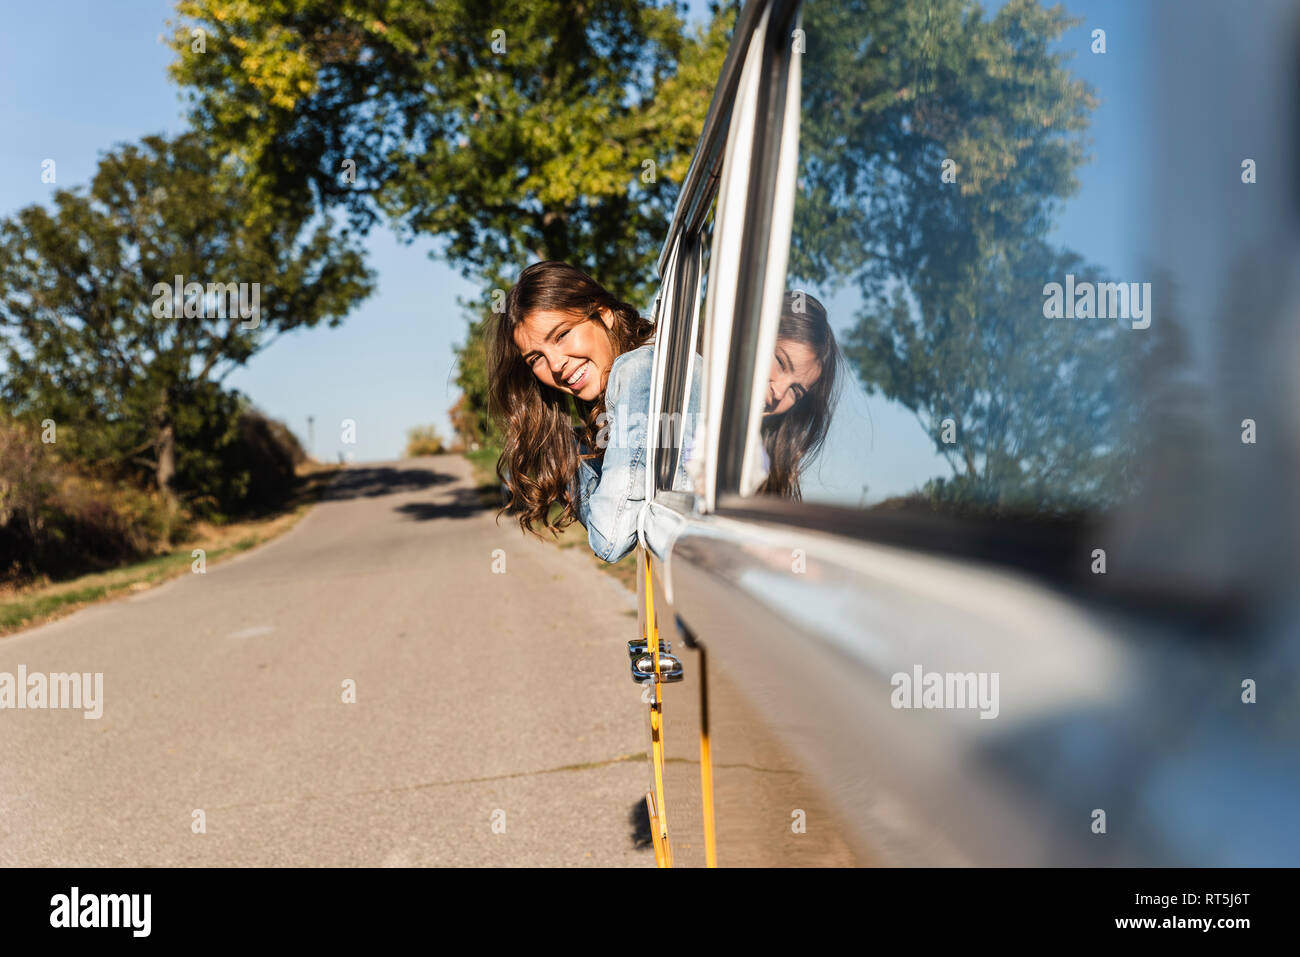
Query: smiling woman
[
  {"x": 566, "y": 346},
  {"x": 801, "y": 393}
]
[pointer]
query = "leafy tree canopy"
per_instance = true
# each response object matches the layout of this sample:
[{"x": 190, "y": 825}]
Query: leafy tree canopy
[
  {"x": 513, "y": 131},
  {"x": 90, "y": 338}
]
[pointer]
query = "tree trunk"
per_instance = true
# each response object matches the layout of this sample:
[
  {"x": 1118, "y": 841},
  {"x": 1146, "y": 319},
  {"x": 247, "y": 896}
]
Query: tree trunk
[{"x": 166, "y": 470}]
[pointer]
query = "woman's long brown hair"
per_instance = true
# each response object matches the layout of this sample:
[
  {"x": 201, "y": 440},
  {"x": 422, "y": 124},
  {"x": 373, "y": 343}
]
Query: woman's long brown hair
[
  {"x": 793, "y": 438},
  {"x": 539, "y": 457}
]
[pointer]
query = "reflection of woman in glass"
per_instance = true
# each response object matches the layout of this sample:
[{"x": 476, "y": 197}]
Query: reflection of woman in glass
[{"x": 800, "y": 393}]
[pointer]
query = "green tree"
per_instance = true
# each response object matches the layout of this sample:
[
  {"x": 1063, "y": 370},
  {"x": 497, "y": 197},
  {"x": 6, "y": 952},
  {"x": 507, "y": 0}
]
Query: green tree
[
  {"x": 474, "y": 422},
  {"x": 422, "y": 440},
  {"x": 890, "y": 92},
  {"x": 1036, "y": 407},
  {"x": 951, "y": 267},
  {"x": 533, "y": 129},
  {"x": 124, "y": 369}
]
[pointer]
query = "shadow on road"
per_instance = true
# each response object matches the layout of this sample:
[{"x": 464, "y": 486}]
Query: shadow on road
[
  {"x": 464, "y": 503},
  {"x": 639, "y": 819},
  {"x": 372, "y": 482}
]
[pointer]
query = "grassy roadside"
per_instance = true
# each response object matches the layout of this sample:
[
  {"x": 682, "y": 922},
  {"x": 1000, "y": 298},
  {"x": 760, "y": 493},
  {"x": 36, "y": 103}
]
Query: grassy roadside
[
  {"x": 484, "y": 461},
  {"x": 34, "y": 604}
]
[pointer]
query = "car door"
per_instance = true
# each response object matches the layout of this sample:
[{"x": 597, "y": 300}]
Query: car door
[
  {"x": 712, "y": 217},
  {"x": 1028, "y": 630}
]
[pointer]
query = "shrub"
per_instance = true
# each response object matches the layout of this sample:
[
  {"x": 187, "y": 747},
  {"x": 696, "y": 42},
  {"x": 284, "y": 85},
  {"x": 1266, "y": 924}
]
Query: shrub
[
  {"x": 57, "y": 522},
  {"x": 423, "y": 440}
]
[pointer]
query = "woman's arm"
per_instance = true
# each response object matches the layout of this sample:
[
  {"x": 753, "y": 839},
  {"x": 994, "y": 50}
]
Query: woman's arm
[{"x": 610, "y": 511}]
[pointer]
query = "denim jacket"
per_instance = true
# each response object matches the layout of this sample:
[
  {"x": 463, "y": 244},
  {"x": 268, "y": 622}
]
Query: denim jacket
[{"x": 611, "y": 491}]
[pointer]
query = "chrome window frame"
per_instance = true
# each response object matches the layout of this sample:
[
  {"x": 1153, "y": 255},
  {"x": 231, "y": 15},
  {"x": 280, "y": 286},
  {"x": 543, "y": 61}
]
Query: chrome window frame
[
  {"x": 674, "y": 356},
  {"x": 749, "y": 165}
]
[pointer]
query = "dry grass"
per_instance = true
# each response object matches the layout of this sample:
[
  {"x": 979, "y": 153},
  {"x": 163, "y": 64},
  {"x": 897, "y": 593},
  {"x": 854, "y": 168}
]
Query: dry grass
[{"x": 36, "y": 603}]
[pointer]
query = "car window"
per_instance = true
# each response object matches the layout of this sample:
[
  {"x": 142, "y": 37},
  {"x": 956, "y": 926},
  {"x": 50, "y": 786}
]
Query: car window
[
  {"x": 685, "y": 343},
  {"x": 1060, "y": 294},
  {"x": 920, "y": 365}
]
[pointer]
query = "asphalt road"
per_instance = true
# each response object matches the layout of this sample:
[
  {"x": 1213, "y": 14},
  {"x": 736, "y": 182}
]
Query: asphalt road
[{"x": 482, "y": 699}]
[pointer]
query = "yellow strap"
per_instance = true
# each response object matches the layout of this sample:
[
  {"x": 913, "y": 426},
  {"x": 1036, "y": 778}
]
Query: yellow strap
[
  {"x": 706, "y": 767},
  {"x": 656, "y": 723}
]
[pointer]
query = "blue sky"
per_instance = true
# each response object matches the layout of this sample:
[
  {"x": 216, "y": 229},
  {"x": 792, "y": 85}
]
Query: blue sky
[{"x": 81, "y": 76}]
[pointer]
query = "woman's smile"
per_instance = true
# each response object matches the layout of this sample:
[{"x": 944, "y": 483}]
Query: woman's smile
[{"x": 579, "y": 379}]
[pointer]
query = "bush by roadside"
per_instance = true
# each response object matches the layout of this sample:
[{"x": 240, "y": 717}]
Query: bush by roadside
[
  {"x": 57, "y": 521},
  {"x": 423, "y": 440}
]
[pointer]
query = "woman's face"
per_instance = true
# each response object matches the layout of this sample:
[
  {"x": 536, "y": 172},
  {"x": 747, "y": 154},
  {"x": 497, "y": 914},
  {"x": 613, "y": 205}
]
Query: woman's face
[
  {"x": 566, "y": 353},
  {"x": 795, "y": 370}
]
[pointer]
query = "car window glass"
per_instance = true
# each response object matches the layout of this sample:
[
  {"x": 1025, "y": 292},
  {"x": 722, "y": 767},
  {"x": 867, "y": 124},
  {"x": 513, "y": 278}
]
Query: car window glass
[{"x": 919, "y": 364}]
